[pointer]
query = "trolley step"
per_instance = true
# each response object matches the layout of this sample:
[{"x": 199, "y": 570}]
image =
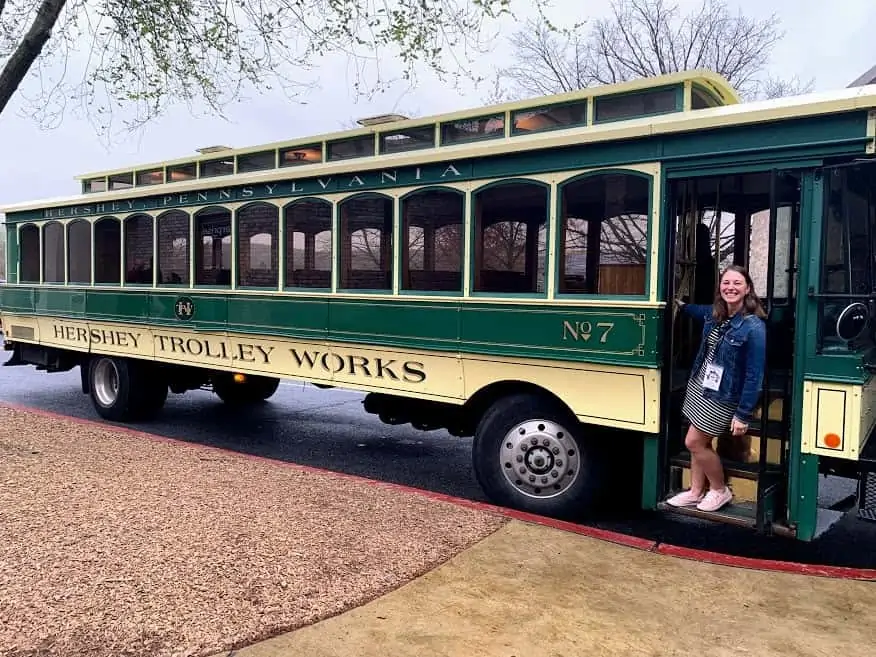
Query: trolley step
[
  {"x": 757, "y": 492},
  {"x": 867, "y": 481},
  {"x": 741, "y": 514},
  {"x": 867, "y": 497}
]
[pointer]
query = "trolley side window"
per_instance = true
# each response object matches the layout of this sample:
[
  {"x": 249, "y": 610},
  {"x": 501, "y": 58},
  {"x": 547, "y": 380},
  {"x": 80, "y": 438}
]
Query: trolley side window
[{"x": 848, "y": 238}]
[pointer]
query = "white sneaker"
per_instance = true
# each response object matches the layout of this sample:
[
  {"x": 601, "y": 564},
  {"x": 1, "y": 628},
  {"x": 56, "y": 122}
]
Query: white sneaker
[
  {"x": 684, "y": 498},
  {"x": 715, "y": 499}
]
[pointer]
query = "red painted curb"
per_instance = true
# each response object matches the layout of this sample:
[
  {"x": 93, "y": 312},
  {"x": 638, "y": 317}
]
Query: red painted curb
[
  {"x": 835, "y": 572},
  {"x": 705, "y": 556}
]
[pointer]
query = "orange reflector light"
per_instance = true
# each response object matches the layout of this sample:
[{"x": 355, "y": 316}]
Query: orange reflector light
[
  {"x": 832, "y": 440},
  {"x": 239, "y": 378}
]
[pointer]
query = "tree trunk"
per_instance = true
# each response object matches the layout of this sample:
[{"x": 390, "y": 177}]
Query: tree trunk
[{"x": 29, "y": 49}]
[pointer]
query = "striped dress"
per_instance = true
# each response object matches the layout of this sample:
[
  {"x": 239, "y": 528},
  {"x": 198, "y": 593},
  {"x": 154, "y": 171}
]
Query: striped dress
[{"x": 709, "y": 416}]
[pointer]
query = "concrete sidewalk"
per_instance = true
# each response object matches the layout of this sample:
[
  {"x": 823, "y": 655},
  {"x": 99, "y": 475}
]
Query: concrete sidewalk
[{"x": 531, "y": 590}]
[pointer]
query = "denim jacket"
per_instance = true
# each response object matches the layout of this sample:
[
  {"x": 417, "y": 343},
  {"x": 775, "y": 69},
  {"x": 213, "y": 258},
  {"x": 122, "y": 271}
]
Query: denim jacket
[{"x": 741, "y": 351}]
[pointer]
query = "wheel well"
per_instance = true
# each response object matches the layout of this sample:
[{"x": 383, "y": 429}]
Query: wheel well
[{"x": 478, "y": 404}]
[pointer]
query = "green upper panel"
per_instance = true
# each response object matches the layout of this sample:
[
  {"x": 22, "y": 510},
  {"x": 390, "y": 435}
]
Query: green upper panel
[{"x": 601, "y": 335}]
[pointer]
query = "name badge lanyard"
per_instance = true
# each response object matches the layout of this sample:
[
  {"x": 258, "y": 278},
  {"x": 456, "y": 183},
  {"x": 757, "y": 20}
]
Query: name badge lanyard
[{"x": 714, "y": 373}]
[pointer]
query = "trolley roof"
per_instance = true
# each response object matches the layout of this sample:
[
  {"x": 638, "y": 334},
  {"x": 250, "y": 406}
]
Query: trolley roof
[
  {"x": 724, "y": 109},
  {"x": 711, "y": 83}
]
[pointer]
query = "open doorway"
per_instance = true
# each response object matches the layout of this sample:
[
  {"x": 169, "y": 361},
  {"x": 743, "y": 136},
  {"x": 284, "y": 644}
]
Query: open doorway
[{"x": 752, "y": 220}]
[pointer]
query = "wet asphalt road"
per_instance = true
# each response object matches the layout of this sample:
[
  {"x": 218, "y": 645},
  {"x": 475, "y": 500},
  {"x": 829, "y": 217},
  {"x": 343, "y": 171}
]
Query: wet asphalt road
[{"x": 328, "y": 429}]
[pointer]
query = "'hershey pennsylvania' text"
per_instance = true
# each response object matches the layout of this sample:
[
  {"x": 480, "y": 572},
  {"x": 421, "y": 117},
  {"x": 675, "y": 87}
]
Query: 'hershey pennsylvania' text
[{"x": 366, "y": 180}]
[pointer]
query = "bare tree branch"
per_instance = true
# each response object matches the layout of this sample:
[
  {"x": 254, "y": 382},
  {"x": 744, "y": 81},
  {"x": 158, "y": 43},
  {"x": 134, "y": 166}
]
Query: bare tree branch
[
  {"x": 552, "y": 66},
  {"x": 776, "y": 88},
  {"x": 367, "y": 243},
  {"x": 645, "y": 38}
]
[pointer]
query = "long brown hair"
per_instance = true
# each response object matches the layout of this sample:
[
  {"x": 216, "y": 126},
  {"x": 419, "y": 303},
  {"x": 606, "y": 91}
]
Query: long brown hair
[{"x": 751, "y": 304}]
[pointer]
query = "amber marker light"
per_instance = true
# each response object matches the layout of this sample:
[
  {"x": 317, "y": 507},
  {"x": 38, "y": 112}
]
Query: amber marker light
[
  {"x": 239, "y": 378},
  {"x": 832, "y": 440}
]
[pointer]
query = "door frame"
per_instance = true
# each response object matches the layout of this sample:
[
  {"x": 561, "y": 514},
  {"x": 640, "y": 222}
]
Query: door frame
[{"x": 805, "y": 168}]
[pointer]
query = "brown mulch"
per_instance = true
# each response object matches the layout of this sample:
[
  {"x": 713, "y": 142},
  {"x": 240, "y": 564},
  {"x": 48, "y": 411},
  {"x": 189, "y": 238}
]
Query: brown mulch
[{"x": 115, "y": 544}]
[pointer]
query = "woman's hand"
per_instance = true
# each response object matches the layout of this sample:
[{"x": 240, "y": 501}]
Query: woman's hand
[{"x": 738, "y": 428}]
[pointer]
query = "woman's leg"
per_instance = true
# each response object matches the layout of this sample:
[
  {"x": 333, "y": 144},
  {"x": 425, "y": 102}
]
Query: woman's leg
[
  {"x": 697, "y": 490},
  {"x": 705, "y": 464},
  {"x": 697, "y": 476},
  {"x": 708, "y": 467}
]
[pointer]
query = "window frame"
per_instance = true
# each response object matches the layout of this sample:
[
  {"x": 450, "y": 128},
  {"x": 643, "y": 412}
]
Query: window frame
[
  {"x": 559, "y": 237},
  {"x": 587, "y": 103},
  {"x": 245, "y": 157},
  {"x": 121, "y": 247},
  {"x": 418, "y": 146},
  {"x": 711, "y": 99},
  {"x": 339, "y": 233},
  {"x": 334, "y": 227},
  {"x": 39, "y": 262},
  {"x": 472, "y": 263},
  {"x": 197, "y": 246},
  {"x": 154, "y": 227},
  {"x": 678, "y": 90},
  {"x": 403, "y": 241},
  {"x": 442, "y": 139},
  {"x": 68, "y": 260},
  {"x": 837, "y": 348},
  {"x": 156, "y": 246},
  {"x": 275, "y": 246},
  {"x": 332, "y": 156},
  {"x": 43, "y": 228}
]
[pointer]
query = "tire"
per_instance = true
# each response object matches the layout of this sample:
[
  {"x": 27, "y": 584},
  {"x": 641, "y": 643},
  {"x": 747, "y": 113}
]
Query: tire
[
  {"x": 264, "y": 387},
  {"x": 123, "y": 390},
  {"x": 558, "y": 476},
  {"x": 255, "y": 389},
  {"x": 109, "y": 385}
]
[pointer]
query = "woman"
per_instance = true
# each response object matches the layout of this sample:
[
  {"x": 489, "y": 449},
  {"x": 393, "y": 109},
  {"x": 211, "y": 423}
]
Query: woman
[{"x": 725, "y": 381}]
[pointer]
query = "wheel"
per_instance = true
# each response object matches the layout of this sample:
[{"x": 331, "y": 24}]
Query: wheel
[
  {"x": 252, "y": 390},
  {"x": 528, "y": 454},
  {"x": 109, "y": 383},
  {"x": 263, "y": 387},
  {"x": 123, "y": 390}
]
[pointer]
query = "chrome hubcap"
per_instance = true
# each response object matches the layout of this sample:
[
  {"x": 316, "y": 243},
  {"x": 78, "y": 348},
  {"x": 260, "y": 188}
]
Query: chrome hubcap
[
  {"x": 106, "y": 382},
  {"x": 539, "y": 458}
]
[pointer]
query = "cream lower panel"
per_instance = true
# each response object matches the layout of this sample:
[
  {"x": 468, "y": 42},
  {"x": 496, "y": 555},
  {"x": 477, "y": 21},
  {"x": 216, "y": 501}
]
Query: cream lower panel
[
  {"x": 623, "y": 397},
  {"x": 837, "y": 418},
  {"x": 23, "y": 329}
]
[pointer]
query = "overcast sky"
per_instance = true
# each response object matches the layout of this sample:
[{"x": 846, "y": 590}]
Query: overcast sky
[{"x": 829, "y": 41}]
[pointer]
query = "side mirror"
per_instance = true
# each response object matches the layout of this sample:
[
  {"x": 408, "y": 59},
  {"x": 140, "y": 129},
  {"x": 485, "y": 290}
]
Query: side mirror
[{"x": 852, "y": 321}]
